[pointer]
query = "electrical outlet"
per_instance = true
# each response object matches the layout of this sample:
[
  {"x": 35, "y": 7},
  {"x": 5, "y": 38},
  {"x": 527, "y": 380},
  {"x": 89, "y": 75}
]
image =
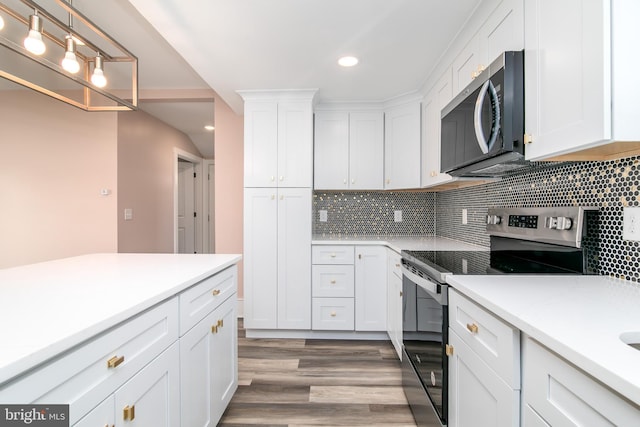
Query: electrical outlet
[
  {"x": 631, "y": 224},
  {"x": 397, "y": 216},
  {"x": 464, "y": 216},
  {"x": 323, "y": 216}
]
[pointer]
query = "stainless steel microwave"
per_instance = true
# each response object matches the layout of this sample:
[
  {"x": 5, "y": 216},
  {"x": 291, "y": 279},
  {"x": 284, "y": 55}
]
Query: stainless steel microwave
[{"x": 482, "y": 129}]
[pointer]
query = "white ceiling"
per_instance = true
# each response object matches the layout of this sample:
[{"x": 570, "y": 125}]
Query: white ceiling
[{"x": 231, "y": 45}]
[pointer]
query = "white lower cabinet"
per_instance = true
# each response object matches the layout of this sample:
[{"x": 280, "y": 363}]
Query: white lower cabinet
[
  {"x": 558, "y": 394},
  {"x": 477, "y": 395},
  {"x": 209, "y": 374},
  {"x": 143, "y": 372},
  {"x": 484, "y": 367},
  {"x": 371, "y": 288},
  {"x": 394, "y": 300}
]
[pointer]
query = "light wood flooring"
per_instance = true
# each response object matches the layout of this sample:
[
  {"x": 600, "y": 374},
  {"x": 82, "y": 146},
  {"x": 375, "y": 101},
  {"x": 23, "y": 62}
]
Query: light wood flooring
[{"x": 297, "y": 382}]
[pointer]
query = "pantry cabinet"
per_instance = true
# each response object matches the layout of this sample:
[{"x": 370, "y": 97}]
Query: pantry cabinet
[
  {"x": 402, "y": 146},
  {"x": 574, "y": 52},
  {"x": 278, "y": 132},
  {"x": 277, "y": 258},
  {"x": 349, "y": 150}
]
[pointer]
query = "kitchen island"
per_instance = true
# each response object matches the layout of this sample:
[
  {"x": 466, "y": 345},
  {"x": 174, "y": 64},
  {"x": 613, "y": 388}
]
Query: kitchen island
[
  {"x": 574, "y": 331},
  {"x": 89, "y": 330}
]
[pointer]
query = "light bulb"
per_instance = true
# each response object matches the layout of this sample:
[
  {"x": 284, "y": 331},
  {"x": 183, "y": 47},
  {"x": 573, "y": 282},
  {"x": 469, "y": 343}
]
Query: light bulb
[
  {"x": 1, "y": 23},
  {"x": 98, "y": 78},
  {"x": 33, "y": 43},
  {"x": 70, "y": 61}
]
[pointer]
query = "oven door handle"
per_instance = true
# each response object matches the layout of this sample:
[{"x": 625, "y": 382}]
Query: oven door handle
[{"x": 423, "y": 282}]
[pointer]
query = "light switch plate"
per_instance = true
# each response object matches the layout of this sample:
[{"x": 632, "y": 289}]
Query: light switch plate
[
  {"x": 128, "y": 214},
  {"x": 323, "y": 216},
  {"x": 631, "y": 224},
  {"x": 464, "y": 216},
  {"x": 397, "y": 216}
]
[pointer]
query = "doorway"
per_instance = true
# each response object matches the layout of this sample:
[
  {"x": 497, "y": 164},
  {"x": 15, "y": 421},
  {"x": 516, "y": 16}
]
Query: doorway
[{"x": 187, "y": 214}]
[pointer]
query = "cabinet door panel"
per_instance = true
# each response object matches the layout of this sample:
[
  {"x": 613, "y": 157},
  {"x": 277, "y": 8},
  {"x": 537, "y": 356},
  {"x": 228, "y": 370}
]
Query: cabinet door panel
[
  {"x": 295, "y": 144},
  {"x": 437, "y": 99},
  {"x": 477, "y": 396},
  {"x": 402, "y": 147},
  {"x": 294, "y": 258},
  {"x": 371, "y": 288},
  {"x": 154, "y": 392},
  {"x": 331, "y": 150},
  {"x": 260, "y": 257},
  {"x": 568, "y": 66},
  {"x": 503, "y": 30},
  {"x": 366, "y": 151},
  {"x": 566, "y": 396},
  {"x": 224, "y": 358},
  {"x": 260, "y": 144}
]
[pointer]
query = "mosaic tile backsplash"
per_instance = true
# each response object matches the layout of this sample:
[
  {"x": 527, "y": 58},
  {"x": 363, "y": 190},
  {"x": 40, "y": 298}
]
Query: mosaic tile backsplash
[{"x": 609, "y": 185}]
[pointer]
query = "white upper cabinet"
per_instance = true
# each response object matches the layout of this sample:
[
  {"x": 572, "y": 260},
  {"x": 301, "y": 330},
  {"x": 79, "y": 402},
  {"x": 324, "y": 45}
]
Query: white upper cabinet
[
  {"x": 502, "y": 31},
  {"x": 349, "y": 150},
  {"x": 278, "y": 138},
  {"x": 433, "y": 103},
  {"x": 581, "y": 86},
  {"x": 402, "y": 153}
]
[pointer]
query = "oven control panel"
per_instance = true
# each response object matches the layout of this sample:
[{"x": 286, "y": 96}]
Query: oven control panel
[{"x": 558, "y": 225}]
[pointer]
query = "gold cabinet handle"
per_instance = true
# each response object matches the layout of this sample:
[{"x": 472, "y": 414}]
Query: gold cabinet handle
[
  {"x": 273, "y": 178},
  {"x": 281, "y": 178},
  {"x": 333, "y": 314},
  {"x": 129, "y": 412},
  {"x": 332, "y": 255},
  {"x": 527, "y": 138},
  {"x": 221, "y": 323},
  {"x": 448, "y": 349},
  {"x": 214, "y": 329},
  {"x": 216, "y": 292},
  {"x": 400, "y": 293},
  {"x": 333, "y": 281},
  {"x": 472, "y": 327},
  {"x": 115, "y": 361}
]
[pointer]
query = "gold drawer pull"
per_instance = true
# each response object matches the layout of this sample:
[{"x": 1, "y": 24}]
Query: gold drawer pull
[
  {"x": 115, "y": 361},
  {"x": 216, "y": 292},
  {"x": 129, "y": 413},
  {"x": 448, "y": 349},
  {"x": 214, "y": 329},
  {"x": 333, "y": 281},
  {"x": 333, "y": 314},
  {"x": 221, "y": 323},
  {"x": 473, "y": 328},
  {"x": 332, "y": 255}
]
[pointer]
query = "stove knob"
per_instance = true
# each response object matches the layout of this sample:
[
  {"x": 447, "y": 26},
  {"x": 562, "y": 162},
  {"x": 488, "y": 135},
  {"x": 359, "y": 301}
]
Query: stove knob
[
  {"x": 493, "y": 219},
  {"x": 559, "y": 223}
]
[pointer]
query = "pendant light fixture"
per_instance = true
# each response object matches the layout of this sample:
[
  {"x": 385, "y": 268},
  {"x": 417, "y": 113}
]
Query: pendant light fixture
[
  {"x": 33, "y": 42},
  {"x": 98, "y": 78},
  {"x": 66, "y": 61}
]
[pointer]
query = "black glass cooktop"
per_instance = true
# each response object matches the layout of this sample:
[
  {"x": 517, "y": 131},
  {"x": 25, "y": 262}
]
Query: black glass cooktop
[{"x": 506, "y": 256}]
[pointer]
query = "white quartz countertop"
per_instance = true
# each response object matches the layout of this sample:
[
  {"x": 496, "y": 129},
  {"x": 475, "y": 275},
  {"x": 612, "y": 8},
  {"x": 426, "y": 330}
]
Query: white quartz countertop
[
  {"x": 49, "y": 307},
  {"x": 579, "y": 317},
  {"x": 399, "y": 243}
]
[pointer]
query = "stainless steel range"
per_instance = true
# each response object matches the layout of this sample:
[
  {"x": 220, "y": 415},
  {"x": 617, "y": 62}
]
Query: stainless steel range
[{"x": 522, "y": 241}]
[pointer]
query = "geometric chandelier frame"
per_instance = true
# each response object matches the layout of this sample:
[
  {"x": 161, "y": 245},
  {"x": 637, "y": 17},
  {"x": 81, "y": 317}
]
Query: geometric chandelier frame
[{"x": 94, "y": 48}]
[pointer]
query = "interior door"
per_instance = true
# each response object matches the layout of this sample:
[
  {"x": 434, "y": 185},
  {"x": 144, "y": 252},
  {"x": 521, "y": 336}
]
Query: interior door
[{"x": 186, "y": 207}]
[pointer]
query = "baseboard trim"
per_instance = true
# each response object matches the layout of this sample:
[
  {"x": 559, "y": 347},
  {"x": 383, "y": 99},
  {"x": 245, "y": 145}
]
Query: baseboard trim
[{"x": 321, "y": 335}]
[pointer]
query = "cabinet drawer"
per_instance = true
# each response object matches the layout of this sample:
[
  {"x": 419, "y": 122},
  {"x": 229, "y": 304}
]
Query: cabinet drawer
[
  {"x": 202, "y": 298},
  {"x": 82, "y": 378},
  {"x": 563, "y": 395},
  {"x": 332, "y": 281},
  {"x": 495, "y": 341},
  {"x": 332, "y": 254},
  {"x": 333, "y": 314}
]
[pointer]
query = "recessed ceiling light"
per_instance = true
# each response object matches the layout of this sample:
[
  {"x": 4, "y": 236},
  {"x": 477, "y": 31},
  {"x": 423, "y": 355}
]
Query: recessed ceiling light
[
  {"x": 209, "y": 127},
  {"x": 348, "y": 61}
]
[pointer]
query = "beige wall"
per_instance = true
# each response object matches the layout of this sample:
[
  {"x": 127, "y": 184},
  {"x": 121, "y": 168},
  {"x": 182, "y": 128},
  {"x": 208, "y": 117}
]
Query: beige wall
[
  {"x": 54, "y": 160},
  {"x": 229, "y": 165},
  {"x": 145, "y": 181}
]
